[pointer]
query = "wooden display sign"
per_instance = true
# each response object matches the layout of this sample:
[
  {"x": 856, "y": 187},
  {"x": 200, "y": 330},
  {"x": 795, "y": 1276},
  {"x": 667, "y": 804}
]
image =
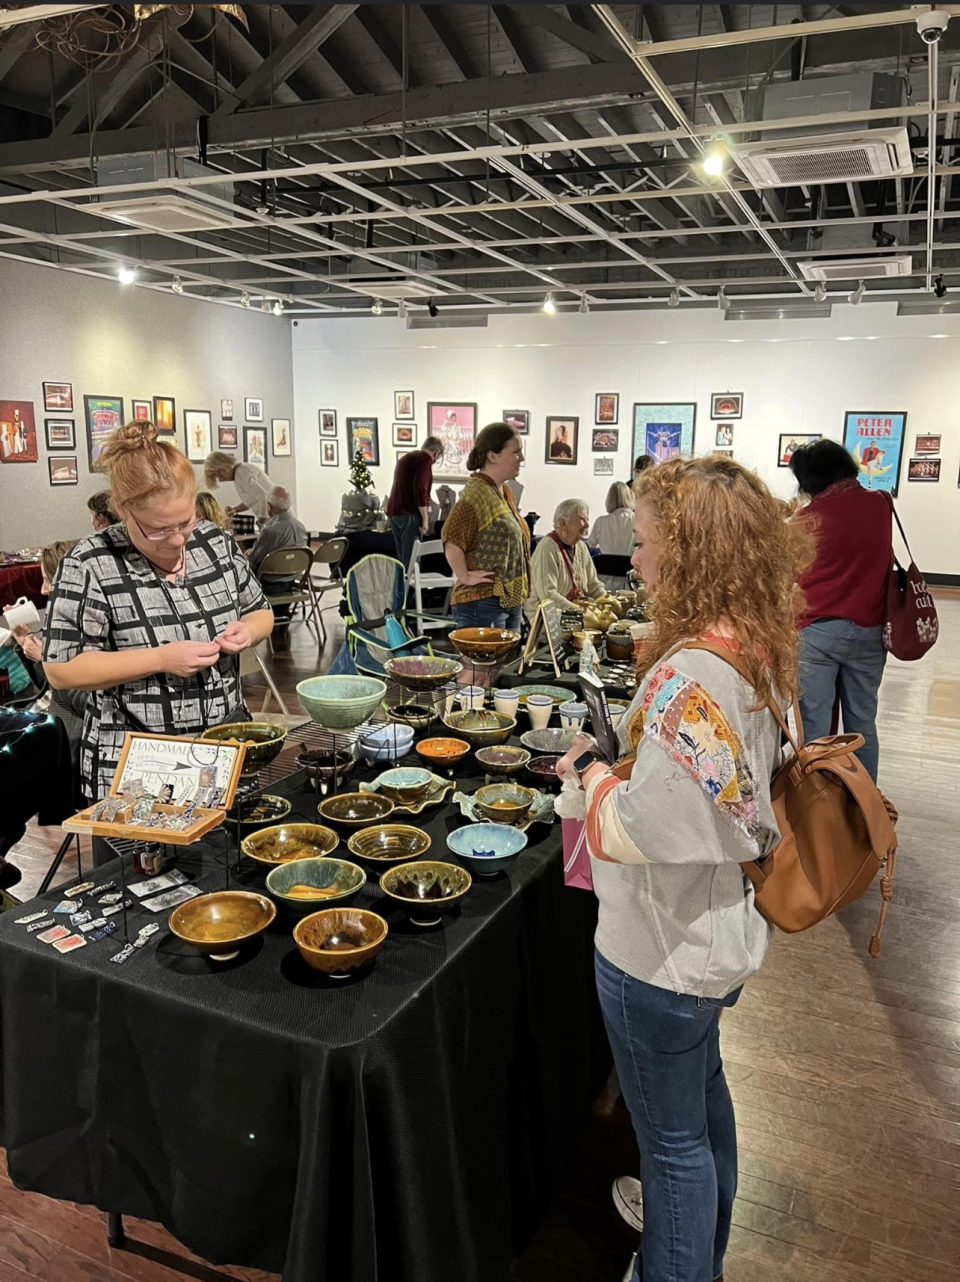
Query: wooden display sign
[
  {"x": 204, "y": 821},
  {"x": 546, "y": 621}
]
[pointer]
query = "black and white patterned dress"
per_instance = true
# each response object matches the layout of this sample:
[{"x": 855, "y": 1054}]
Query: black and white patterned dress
[{"x": 107, "y": 596}]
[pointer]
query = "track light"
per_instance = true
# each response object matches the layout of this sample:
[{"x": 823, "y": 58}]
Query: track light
[
  {"x": 244, "y": 299},
  {"x": 820, "y": 293},
  {"x": 277, "y": 308},
  {"x": 939, "y": 288},
  {"x": 549, "y": 306},
  {"x": 433, "y": 309},
  {"x": 673, "y": 299},
  {"x": 126, "y": 275},
  {"x": 265, "y": 305},
  {"x": 402, "y": 310},
  {"x": 177, "y": 285},
  {"x": 377, "y": 307},
  {"x": 584, "y": 307},
  {"x": 722, "y": 301},
  {"x": 715, "y": 160},
  {"x": 857, "y": 294}
]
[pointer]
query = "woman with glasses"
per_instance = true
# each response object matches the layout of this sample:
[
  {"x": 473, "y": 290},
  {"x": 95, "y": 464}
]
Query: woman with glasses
[{"x": 151, "y": 614}]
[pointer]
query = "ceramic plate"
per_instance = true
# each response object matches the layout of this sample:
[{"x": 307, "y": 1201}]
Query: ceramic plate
[
  {"x": 540, "y": 813},
  {"x": 556, "y": 693},
  {"x": 435, "y": 793}
]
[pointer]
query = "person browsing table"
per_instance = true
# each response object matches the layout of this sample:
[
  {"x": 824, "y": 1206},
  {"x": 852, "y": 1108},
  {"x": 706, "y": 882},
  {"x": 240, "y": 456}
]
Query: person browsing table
[
  {"x": 252, "y": 483},
  {"x": 151, "y": 614},
  {"x": 408, "y": 506}
]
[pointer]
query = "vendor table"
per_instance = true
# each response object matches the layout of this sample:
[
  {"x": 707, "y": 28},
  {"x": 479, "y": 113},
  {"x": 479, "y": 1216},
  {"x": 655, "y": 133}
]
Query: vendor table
[
  {"x": 22, "y": 580},
  {"x": 402, "y": 1125}
]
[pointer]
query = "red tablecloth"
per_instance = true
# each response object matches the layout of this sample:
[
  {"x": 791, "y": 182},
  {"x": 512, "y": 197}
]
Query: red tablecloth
[{"x": 21, "y": 580}]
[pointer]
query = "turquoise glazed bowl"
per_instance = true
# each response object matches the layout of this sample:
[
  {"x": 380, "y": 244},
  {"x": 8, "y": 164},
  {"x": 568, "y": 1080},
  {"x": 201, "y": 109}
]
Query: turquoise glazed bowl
[
  {"x": 333, "y": 881},
  {"x": 486, "y": 849},
  {"x": 341, "y": 703}
]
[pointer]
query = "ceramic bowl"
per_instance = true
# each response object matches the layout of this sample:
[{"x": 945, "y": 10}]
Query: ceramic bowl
[
  {"x": 263, "y": 740},
  {"x": 503, "y": 761},
  {"x": 426, "y": 672},
  {"x": 407, "y": 784},
  {"x": 486, "y": 849},
  {"x": 542, "y": 771},
  {"x": 352, "y": 810},
  {"x": 319, "y": 765},
  {"x": 302, "y": 887},
  {"x": 340, "y": 941},
  {"x": 418, "y": 715},
  {"x": 484, "y": 645},
  {"x": 217, "y": 924},
  {"x": 341, "y": 703},
  {"x": 389, "y": 844},
  {"x": 285, "y": 843},
  {"x": 579, "y": 639},
  {"x": 387, "y": 743},
  {"x": 619, "y": 647},
  {"x": 617, "y": 708},
  {"x": 426, "y": 890},
  {"x": 481, "y": 729},
  {"x": 505, "y": 803},
  {"x": 559, "y": 694},
  {"x": 552, "y": 740},
  {"x": 254, "y": 813},
  {"x": 439, "y": 752}
]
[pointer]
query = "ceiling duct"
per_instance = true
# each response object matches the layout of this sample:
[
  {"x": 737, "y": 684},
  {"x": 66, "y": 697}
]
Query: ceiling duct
[
  {"x": 176, "y": 211},
  {"x": 447, "y": 320},
  {"x": 764, "y": 311},
  {"x": 928, "y": 307},
  {"x": 872, "y": 268}
]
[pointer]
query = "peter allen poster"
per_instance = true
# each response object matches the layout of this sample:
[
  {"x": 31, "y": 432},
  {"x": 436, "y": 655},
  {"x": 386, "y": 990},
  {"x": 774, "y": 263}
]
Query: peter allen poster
[
  {"x": 18, "y": 432},
  {"x": 875, "y": 439}
]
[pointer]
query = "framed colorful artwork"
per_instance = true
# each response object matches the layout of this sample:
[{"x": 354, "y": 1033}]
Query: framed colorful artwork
[
  {"x": 603, "y": 466},
  {"x": 927, "y": 445},
  {"x": 790, "y": 442},
  {"x": 253, "y": 409},
  {"x": 103, "y": 415},
  {"x": 58, "y": 397},
  {"x": 18, "y": 432},
  {"x": 607, "y": 408},
  {"x": 329, "y": 453},
  {"x": 519, "y": 420},
  {"x": 328, "y": 422},
  {"x": 198, "y": 430},
  {"x": 875, "y": 439},
  {"x": 724, "y": 439},
  {"x": 726, "y": 405},
  {"x": 226, "y": 409},
  {"x": 561, "y": 442},
  {"x": 227, "y": 436},
  {"x": 455, "y": 422},
  {"x": 280, "y": 432},
  {"x": 63, "y": 470},
  {"x": 605, "y": 442},
  {"x": 165, "y": 413},
  {"x": 363, "y": 437},
  {"x": 405, "y": 434},
  {"x": 664, "y": 431},
  {"x": 255, "y": 445},
  {"x": 61, "y": 433},
  {"x": 142, "y": 411},
  {"x": 923, "y": 469},
  {"x": 403, "y": 405}
]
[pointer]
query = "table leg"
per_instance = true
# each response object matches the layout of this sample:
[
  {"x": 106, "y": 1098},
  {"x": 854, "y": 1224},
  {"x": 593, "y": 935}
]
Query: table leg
[{"x": 115, "y": 1234}]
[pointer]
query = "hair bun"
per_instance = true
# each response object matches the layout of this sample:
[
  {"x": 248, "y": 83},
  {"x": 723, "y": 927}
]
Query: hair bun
[{"x": 129, "y": 439}]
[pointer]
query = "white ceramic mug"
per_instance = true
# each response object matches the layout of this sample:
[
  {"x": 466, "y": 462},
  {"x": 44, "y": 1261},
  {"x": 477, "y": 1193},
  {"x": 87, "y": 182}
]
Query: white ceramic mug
[
  {"x": 471, "y": 698},
  {"x": 507, "y": 702},
  {"x": 572, "y": 715},
  {"x": 539, "y": 710},
  {"x": 23, "y": 613},
  {"x": 445, "y": 698}
]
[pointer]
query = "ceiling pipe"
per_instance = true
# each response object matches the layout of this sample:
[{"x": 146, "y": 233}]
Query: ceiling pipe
[{"x": 932, "y": 70}]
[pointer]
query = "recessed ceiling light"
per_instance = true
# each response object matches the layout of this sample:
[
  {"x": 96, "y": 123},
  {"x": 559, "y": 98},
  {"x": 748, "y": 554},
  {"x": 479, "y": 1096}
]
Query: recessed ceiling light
[
  {"x": 126, "y": 275},
  {"x": 549, "y": 306},
  {"x": 715, "y": 160}
]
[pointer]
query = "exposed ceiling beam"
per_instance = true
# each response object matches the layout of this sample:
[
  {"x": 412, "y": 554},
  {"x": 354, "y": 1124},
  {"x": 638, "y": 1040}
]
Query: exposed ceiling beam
[
  {"x": 725, "y": 14},
  {"x": 17, "y": 44},
  {"x": 385, "y": 42},
  {"x": 118, "y": 79},
  {"x": 515, "y": 36},
  {"x": 572, "y": 33},
  {"x": 433, "y": 15}
]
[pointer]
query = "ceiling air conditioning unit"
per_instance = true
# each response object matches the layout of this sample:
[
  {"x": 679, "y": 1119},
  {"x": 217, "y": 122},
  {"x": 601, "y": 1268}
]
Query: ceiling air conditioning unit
[
  {"x": 393, "y": 288},
  {"x": 174, "y": 211},
  {"x": 873, "y": 268}
]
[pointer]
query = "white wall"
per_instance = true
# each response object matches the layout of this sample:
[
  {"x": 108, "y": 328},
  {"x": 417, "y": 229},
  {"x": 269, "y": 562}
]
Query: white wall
[{"x": 796, "y": 376}]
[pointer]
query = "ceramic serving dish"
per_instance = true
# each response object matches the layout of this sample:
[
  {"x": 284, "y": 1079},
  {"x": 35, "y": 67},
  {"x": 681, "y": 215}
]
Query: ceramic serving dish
[
  {"x": 284, "y": 843},
  {"x": 257, "y": 812},
  {"x": 307, "y": 884},
  {"x": 441, "y": 752},
  {"x": 217, "y": 924},
  {"x": 405, "y": 784},
  {"x": 480, "y": 728},
  {"x": 352, "y": 810},
  {"x": 557, "y": 693},
  {"x": 389, "y": 844},
  {"x": 340, "y": 941},
  {"x": 505, "y": 803},
  {"x": 439, "y": 789},
  {"x": 341, "y": 702},
  {"x": 418, "y": 715},
  {"x": 263, "y": 740},
  {"x": 423, "y": 672},
  {"x": 319, "y": 765},
  {"x": 542, "y": 771},
  {"x": 551, "y": 740},
  {"x": 502, "y": 761},
  {"x": 387, "y": 743},
  {"x": 486, "y": 849},
  {"x": 426, "y": 890},
  {"x": 540, "y": 812},
  {"x": 484, "y": 645}
]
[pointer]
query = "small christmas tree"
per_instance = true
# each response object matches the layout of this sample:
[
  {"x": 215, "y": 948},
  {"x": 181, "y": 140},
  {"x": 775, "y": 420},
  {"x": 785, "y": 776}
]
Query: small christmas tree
[{"x": 360, "y": 476}]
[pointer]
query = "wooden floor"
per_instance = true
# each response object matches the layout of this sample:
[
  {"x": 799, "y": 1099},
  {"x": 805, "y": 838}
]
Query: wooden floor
[{"x": 845, "y": 1072}]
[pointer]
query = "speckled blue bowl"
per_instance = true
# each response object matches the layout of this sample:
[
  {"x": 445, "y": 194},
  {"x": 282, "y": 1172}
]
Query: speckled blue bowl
[{"x": 486, "y": 849}]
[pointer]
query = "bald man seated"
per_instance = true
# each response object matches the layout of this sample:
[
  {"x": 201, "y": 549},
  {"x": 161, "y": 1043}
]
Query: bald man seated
[{"x": 280, "y": 530}]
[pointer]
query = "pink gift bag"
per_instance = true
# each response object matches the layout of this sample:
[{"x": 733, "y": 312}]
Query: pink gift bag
[{"x": 576, "y": 857}]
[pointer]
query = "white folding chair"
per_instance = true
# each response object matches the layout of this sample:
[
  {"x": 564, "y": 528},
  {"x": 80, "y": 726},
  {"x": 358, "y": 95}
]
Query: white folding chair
[{"x": 418, "y": 579}]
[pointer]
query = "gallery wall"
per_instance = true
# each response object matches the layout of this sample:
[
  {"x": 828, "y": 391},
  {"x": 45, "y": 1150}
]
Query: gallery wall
[
  {"x": 115, "y": 341},
  {"x": 796, "y": 377}
]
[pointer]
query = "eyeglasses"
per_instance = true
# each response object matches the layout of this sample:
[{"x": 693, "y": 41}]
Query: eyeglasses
[{"x": 158, "y": 536}]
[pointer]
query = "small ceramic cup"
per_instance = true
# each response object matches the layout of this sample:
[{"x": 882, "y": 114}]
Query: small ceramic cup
[
  {"x": 572, "y": 715},
  {"x": 616, "y": 715},
  {"x": 539, "y": 709},
  {"x": 506, "y": 701},
  {"x": 445, "y": 698},
  {"x": 471, "y": 698}
]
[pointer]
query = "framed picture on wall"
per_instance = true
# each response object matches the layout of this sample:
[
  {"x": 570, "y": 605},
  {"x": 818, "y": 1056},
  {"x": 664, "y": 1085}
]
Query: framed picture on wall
[
  {"x": 142, "y": 411},
  {"x": 227, "y": 436},
  {"x": 403, "y": 405},
  {"x": 923, "y": 469},
  {"x": 927, "y": 445},
  {"x": 61, "y": 433},
  {"x": 255, "y": 445},
  {"x": 455, "y": 423},
  {"x": 607, "y": 408},
  {"x": 329, "y": 453},
  {"x": 280, "y": 431},
  {"x": 18, "y": 432},
  {"x": 664, "y": 431},
  {"x": 875, "y": 439},
  {"x": 253, "y": 409},
  {"x": 398, "y": 454},
  {"x": 363, "y": 437},
  {"x": 198, "y": 428},
  {"x": 726, "y": 405},
  {"x": 405, "y": 434},
  {"x": 605, "y": 441},
  {"x": 519, "y": 420},
  {"x": 328, "y": 422},
  {"x": 58, "y": 397},
  {"x": 561, "y": 442},
  {"x": 790, "y": 442},
  {"x": 603, "y": 466},
  {"x": 226, "y": 409},
  {"x": 64, "y": 470},
  {"x": 103, "y": 415},
  {"x": 165, "y": 413},
  {"x": 724, "y": 439}
]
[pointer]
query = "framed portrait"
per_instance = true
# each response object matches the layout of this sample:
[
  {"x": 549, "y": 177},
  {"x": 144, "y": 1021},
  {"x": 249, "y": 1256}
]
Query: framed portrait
[
  {"x": 58, "y": 397},
  {"x": 61, "y": 433},
  {"x": 607, "y": 408},
  {"x": 519, "y": 420},
  {"x": 605, "y": 441},
  {"x": 255, "y": 445},
  {"x": 328, "y": 422},
  {"x": 724, "y": 439},
  {"x": 664, "y": 431},
  {"x": 329, "y": 453},
  {"x": 726, "y": 404},
  {"x": 103, "y": 415},
  {"x": 198, "y": 430},
  {"x": 790, "y": 442},
  {"x": 405, "y": 434},
  {"x": 363, "y": 437},
  {"x": 603, "y": 466},
  {"x": 875, "y": 439},
  {"x": 227, "y": 436},
  {"x": 398, "y": 454},
  {"x": 561, "y": 443},
  {"x": 456, "y": 425},
  {"x": 226, "y": 410},
  {"x": 403, "y": 405},
  {"x": 923, "y": 469},
  {"x": 165, "y": 413},
  {"x": 142, "y": 410},
  {"x": 18, "y": 432},
  {"x": 720, "y": 450},
  {"x": 253, "y": 409},
  {"x": 64, "y": 470},
  {"x": 927, "y": 445},
  {"x": 280, "y": 431}
]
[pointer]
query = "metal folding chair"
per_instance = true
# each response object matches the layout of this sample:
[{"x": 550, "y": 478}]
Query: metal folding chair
[
  {"x": 329, "y": 554},
  {"x": 292, "y": 565},
  {"x": 251, "y": 663}
]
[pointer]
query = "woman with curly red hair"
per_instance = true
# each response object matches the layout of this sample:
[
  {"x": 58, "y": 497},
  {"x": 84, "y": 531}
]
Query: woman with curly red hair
[{"x": 679, "y": 933}]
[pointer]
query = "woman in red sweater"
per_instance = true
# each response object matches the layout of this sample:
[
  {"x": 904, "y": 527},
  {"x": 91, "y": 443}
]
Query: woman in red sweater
[{"x": 841, "y": 647}]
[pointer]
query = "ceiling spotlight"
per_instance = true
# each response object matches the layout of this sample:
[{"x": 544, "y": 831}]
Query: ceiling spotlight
[
  {"x": 820, "y": 293},
  {"x": 126, "y": 275},
  {"x": 277, "y": 308},
  {"x": 244, "y": 299},
  {"x": 673, "y": 300},
  {"x": 722, "y": 301},
  {"x": 377, "y": 307},
  {"x": 265, "y": 305},
  {"x": 402, "y": 310},
  {"x": 939, "y": 288},
  {"x": 549, "y": 306},
  {"x": 715, "y": 160},
  {"x": 433, "y": 309},
  {"x": 177, "y": 285},
  {"x": 584, "y": 307},
  {"x": 857, "y": 294}
]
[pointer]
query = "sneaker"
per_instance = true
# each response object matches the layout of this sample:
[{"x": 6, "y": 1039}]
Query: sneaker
[
  {"x": 628, "y": 1199},
  {"x": 628, "y": 1276}
]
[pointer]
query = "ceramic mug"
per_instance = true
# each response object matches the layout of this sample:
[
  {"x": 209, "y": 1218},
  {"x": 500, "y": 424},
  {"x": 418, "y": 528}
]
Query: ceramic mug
[
  {"x": 23, "y": 613},
  {"x": 539, "y": 710},
  {"x": 471, "y": 698},
  {"x": 506, "y": 701},
  {"x": 572, "y": 715},
  {"x": 445, "y": 698}
]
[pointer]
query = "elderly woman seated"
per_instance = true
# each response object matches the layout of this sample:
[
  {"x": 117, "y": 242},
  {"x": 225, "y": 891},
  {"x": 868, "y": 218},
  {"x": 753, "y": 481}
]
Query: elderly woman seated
[{"x": 561, "y": 569}]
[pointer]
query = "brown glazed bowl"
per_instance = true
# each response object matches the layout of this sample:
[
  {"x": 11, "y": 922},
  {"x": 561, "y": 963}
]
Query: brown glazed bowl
[
  {"x": 319, "y": 765},
  {"x": 284, "y": 843},
  {"x": 579, "y": 639},
  {"x": 263, "y": 740},
  {"x": 442, "y": 752},
  {"x": 484, "y": 645},
  {"x": 351, "y": 810},
  {"x": 620, "y": 646},
  {"x": 389, "y": 843},
  {"x": 504, "y": 803},
  {"x": 426, "y": 890},
  {"x": 340, "y": 941},
  {"x": 543, "y": 772},
  {"x": 503, "y": 761},
  {"x": 480, "y": 728},
  {"x": 217, "y": 924}
]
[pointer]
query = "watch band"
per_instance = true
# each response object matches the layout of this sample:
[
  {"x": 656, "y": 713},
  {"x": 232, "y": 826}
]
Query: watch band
[{"x": 585, "y": 761}]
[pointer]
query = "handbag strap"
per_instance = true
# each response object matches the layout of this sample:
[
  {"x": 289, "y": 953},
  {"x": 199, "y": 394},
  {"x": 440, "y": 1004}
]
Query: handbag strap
[{"x": 896, "y": 517}]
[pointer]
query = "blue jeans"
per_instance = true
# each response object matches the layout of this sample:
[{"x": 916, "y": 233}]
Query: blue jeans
[
  {"x": 405, "y": 531},
  {"x": 666, "y": 1047},
  {"x": 837, "y": 656},
  {"x": 488, "y": 613}
]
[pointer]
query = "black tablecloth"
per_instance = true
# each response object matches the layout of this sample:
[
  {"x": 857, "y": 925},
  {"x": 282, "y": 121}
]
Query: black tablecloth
[{"x": 404, "y": 1125}]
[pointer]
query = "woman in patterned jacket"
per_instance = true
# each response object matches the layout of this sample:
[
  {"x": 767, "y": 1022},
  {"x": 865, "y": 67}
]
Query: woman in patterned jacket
[{"x": 679, "y": 932}]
